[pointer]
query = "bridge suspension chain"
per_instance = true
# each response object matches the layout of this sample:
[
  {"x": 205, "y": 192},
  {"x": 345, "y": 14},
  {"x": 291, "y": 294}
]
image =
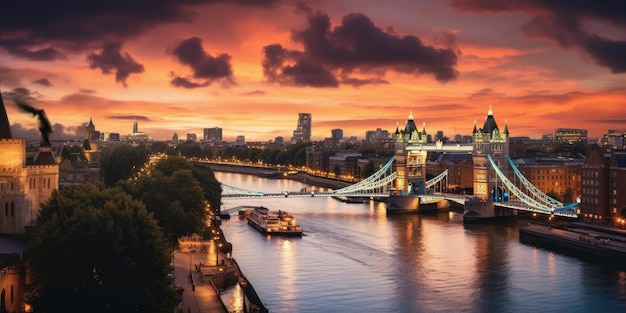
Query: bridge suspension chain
[
  {"x": 374, "y": 181},
  {"x": 547, "y": 200},
  {"x": 437, "y": 179},
  {"x": 526, "y": 199}
]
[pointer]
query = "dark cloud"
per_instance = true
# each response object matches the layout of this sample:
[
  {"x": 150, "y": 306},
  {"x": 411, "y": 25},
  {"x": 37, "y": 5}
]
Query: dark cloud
[
  {"x": 564, "y": 23},
  {"x": 205, "y": 67},
  {"x": 87, "y": 91},
  {"x": 20, "y": 131},
  {"x": 43, "y": 81},
  {"x": 332, "y": 55},
  {"x": 21, "y": 94},
  {"x": 254, "y": 93},
  {"x": 111, "y": 59},
  {"x": 130, "y": 118},
  {"x": 43, "y": 30}
]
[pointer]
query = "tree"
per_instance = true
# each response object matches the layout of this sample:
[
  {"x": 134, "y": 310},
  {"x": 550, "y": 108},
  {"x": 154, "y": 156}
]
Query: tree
[
  {"x": 177, "y": 193},
  {"x": 368, "y": 170},
  {"x": 98, "y": 250},
  {"x": 190, "y": 149},
  {"x": 121, "y": 162}
]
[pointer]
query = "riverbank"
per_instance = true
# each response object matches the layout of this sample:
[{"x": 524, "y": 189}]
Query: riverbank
[
  {"x": 588, "y": 241},
  {"x": 299, "y": 176}
]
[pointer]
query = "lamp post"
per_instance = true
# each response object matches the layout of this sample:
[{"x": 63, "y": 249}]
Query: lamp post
[
  {"x": 217, "y": 253},
  {"x": 189, "y": 262}
]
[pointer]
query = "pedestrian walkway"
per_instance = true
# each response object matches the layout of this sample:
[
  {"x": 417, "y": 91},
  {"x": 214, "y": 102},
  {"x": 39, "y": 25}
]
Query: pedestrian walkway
[{"x": 199, "y": 296}]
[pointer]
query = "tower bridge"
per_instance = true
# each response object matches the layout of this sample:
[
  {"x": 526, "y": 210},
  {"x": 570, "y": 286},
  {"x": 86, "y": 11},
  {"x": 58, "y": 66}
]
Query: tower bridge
[{"x": 500, "y": 190}]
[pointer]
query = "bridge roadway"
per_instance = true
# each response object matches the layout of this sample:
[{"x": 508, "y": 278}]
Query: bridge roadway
[{"x": 304, "y": 194}]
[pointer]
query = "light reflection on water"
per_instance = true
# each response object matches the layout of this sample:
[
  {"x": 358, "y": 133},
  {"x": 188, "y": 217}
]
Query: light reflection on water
[{"x": 354, "y": 258}]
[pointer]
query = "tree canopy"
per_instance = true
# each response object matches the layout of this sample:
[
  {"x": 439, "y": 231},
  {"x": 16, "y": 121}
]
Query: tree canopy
[
  {"x": 120, "y": 162},
  {"x": 177, "y": 193},
  {"x": 98, "y": 250}
]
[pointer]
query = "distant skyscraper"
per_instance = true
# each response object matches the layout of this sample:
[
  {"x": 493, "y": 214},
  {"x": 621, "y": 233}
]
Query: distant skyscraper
[
  {"x": 337, "y": 133},
  {"x": 191, "y": 137},
  {"x": 135, "y": 127},
  {"x": 303, "y": 130},
  {"x": 571, "y": 135},
  {"x": 213, "y": 134},
  {"x": 175, "y": 137}
]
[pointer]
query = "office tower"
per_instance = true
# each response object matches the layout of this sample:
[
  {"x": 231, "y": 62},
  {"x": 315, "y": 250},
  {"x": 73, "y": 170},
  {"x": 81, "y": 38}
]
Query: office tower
[
  {"x": 337, "y": 133},
  {"x": 303, "y": 130},
  {"x": 212, "y": 134}
]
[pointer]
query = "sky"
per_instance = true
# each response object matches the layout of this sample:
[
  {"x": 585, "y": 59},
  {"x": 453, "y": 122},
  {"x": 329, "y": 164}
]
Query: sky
[{"x": 250, "y": 66}]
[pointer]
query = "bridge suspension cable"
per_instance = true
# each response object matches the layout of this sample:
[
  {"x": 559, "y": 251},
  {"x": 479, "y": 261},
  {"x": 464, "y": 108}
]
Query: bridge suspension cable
[
  {"x": 436, "y": 179},
  {"x": 377, "y": 180},
  {"x": 533, "y": 204}
]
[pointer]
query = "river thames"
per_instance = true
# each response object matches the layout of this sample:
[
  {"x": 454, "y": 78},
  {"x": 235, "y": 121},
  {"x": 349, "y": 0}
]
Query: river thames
[{"x": 355, "y": 258}]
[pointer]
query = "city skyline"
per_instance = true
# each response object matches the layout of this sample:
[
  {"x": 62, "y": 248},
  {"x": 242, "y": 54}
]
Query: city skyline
[{"x": 249, "y": 67}]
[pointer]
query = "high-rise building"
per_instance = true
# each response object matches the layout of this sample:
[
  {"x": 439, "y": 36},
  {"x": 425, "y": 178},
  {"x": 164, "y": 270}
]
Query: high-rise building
[
  {"x": 213, "y": 134},
  {"x": 337, "y": 133},
  {"x": 303, "y": 130},
  {"x": 191, "y": 137},
  {"x": 571, "y": 135}
]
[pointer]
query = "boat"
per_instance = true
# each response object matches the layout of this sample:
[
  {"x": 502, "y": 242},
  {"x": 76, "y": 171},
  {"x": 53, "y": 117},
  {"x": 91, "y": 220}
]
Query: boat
[
  {"x": 270, "y": 174},
  {"x": 273, "y": 223}
]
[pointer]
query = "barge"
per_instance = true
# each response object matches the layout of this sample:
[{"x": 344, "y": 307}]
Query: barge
[{"x": 273, "y": 223}]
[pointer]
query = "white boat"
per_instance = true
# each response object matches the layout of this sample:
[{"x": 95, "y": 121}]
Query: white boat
[{"x": 273, "y": 223}]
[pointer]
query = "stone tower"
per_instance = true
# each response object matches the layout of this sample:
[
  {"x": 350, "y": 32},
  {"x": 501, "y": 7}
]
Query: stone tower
[
  {"x": 489, "y": 140},
  {"x": 24, "y": 183}
]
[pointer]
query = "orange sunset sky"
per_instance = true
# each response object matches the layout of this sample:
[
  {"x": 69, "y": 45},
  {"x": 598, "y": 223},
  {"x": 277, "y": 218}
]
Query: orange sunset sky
[{"x": 250, "y": 67}]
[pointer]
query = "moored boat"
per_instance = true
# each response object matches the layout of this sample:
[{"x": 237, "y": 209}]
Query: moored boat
[{"x": 273, "y": 223}]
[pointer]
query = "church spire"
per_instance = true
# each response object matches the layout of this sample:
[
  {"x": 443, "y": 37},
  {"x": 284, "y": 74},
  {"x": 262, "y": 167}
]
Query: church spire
[{"x": 5, "y": 127}]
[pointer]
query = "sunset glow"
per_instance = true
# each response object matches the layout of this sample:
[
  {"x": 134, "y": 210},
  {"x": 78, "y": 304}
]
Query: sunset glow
[{"x": 250, "y": 67}]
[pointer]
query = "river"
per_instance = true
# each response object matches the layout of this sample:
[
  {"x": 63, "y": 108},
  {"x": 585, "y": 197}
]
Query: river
[{"x": 354, "y": 258}]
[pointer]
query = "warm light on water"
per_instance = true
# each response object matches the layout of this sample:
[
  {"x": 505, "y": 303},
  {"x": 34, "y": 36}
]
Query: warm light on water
[{"x": 354, "y": 258}]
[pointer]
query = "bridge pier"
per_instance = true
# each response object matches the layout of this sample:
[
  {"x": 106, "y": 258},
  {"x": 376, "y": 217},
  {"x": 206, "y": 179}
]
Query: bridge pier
[{"x": 486, "y": 212}]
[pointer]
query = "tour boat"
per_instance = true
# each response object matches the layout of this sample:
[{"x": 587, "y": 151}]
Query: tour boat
[{"x": 273, "y": 223}]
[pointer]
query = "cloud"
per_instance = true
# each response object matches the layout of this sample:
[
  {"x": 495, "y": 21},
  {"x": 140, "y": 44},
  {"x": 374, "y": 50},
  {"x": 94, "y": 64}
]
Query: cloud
[
  {"x": 111, "y": 59},
  {"x": 21, "y": 94},
  {"x": 564, "y": 22},
  {"x": 87, "y": 91},
  {"x": 254, "y": 93},
  {"x": 42, "y": 30},
  {"x": 130, "y": 118},
  {"x": 43, "y": 82},
  {"x": 332, "y": 55},
  {"x": 204, "y": 66}
]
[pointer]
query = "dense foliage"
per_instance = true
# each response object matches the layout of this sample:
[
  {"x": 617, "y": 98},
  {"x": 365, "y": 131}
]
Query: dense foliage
[
  {"x": 179, "y": 194},
  {"x": 120, "y": 162},
  {"x": 98, "y": 250}
]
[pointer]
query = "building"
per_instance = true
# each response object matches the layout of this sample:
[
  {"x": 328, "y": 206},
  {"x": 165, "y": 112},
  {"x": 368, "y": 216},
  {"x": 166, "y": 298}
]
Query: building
[
  {"x": 377, "y": 136},
  {"x": 615, "y": 139},
  {"x": 25, "y": 182},
  {"x": 603, "y": 195},
  {"x": 571, "y": 135},
  {"x": 212, "y": 134},
  {"x": 191, "y": 137},
  {"x": 175, "y": 138},
  {"x": 136, "y": 135},
  {"x": 303, "y": 129},
  {"x": 337, "y": 133}
]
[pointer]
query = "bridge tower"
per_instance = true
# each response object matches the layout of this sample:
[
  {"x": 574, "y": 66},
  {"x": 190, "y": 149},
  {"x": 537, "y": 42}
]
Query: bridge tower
[
  {"x": 410, "y": 163},
  {"x": 488, "y": 140}
]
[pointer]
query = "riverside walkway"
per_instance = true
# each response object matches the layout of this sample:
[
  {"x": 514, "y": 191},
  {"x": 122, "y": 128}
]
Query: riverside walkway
[{"x": 198, "y": 297}]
